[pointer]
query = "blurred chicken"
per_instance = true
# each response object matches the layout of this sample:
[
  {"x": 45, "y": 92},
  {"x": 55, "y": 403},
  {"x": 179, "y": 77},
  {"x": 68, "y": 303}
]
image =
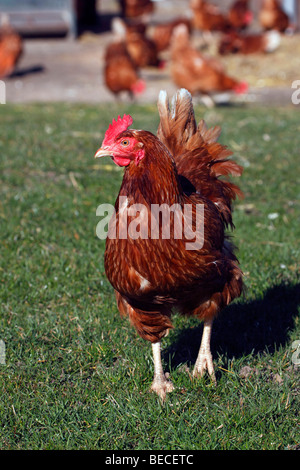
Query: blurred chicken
[
  {"x": 124, "y": 26},
  {"x": 11, "y": 47},
  {"x": 239, "y": 15},
  {"x": 208, "y": 17},
  {"x": 141, "y": 49},
  {"x": 197, "y": 73},
  {"x": 120, "y": 72},
  {"x": 136, "y": 8},
  {"x": 237, "y": 43},
  {"x": 272, "y": 16},
  {"x": 162, "y": 32}
]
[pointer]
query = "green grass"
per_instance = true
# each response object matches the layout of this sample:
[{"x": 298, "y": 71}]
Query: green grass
[{"x": 76, "y": 375}]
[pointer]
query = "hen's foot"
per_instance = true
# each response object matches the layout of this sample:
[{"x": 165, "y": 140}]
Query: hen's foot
[
  {"x": 204, "y": 362},
  {"x": 162, "y": 386}
]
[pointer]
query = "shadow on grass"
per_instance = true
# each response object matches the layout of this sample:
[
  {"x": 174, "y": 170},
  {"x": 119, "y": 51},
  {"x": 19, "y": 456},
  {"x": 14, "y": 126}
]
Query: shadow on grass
[{"x": 255, "y": 326}]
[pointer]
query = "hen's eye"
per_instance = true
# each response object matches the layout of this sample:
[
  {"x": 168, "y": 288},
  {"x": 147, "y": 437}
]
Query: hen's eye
[{"x": 125, "y": 142}]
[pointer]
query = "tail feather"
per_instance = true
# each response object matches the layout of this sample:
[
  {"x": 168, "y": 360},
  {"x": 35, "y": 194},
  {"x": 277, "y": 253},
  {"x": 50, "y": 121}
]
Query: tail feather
[
  {"x": 177, "y": 127},
  {"x": 272, "y": 41},
  {"x": 209, "y": 135},
  {"x": 198, "y": 155}
]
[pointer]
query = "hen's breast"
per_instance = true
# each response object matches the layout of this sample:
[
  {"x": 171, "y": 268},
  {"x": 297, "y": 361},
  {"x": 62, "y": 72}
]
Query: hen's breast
[{"x": 156, "y": 269}]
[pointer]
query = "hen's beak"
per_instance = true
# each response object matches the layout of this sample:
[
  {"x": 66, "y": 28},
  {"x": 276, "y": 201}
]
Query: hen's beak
[{"x": 103, "y": 152}]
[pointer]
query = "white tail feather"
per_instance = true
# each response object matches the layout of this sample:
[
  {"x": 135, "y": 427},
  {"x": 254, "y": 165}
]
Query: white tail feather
[
  {"x": 118, "y": 28},
  {"x": 272, "y": 41}
]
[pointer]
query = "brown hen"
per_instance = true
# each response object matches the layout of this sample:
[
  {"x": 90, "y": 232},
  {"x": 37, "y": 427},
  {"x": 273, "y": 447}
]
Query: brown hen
[
  {"x": 141, "y": 48},
  {"x": 272, "y": 16},
  {"x": 11, "y": 48},
  {"x": 199, "y": 74},
  {"x": 208, "y": 17},
  {"x": 154, "y": 267},
  {"x": 238, "y": 43},
  {"x": 120, "y": 72},
  {"x": 239, "y": 15},
  {"x": 136, "y": 8}
]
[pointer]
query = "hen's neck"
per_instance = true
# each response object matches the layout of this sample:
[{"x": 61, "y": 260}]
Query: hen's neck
[{"x": 154, "y": 180}]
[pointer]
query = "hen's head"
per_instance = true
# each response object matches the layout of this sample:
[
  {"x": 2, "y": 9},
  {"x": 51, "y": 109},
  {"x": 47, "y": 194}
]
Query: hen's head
[{"x": 120, "y": 144}]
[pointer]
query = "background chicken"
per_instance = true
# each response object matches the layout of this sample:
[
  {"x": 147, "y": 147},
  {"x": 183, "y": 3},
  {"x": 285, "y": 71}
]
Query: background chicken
[
  {"x": 141, "y": 48},
  {"x": 272, "y": 16},
  {"x": 237, "y": 43},
  {"x": 208, "y": 17},
  {"x": 153, "y": 276},
  {"x": 120, "y": 72},
  {"x": 199, "y": 74},
  {"x": 239, "y": 15},
  {"x": 136, "y": 8},
  {"x": 11, "y": 48},
  {"x": 162, "y": 32}
]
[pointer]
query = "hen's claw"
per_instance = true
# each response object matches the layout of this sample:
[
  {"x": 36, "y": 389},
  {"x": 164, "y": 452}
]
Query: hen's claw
[
  {"x": 204, "y": 362},
  {"x": 162, "y": 386}
]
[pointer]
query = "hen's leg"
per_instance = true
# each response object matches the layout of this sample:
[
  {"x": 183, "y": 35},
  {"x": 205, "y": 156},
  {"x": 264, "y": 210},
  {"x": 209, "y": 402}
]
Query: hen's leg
[
  {"x": 204, "y": 360},
  {"x": 160, "y": 384}
]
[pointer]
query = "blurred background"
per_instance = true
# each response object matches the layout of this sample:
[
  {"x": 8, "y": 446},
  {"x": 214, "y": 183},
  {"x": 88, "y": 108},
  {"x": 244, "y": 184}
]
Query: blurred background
[{"x": 56, "y": 50}]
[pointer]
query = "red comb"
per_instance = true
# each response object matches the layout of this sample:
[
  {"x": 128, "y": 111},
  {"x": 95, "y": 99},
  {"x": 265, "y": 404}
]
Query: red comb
[
  {"x": 138, "y": 87},
  {"x": 116, "y": 127},
  {"x": 248, "y": 18},
  {"x": 241, "y": 88}
]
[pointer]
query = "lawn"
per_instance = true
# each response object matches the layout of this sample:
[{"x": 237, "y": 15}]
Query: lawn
[{"x": 76, "y": 375}]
